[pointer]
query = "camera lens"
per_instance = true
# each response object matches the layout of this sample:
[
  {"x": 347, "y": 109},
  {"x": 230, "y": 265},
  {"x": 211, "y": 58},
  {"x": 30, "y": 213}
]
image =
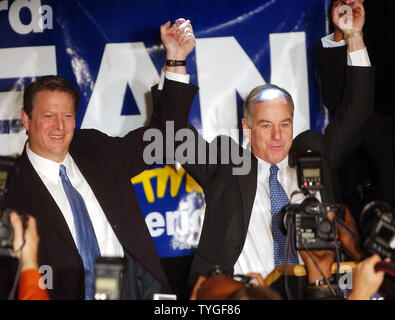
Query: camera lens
[
  {"x": 5, "y": 233},
  {"x": 325, "y": 227}
]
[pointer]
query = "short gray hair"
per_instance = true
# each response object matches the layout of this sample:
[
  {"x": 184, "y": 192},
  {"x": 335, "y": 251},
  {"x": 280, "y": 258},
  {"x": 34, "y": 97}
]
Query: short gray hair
[{"x": 263, "y": 93}]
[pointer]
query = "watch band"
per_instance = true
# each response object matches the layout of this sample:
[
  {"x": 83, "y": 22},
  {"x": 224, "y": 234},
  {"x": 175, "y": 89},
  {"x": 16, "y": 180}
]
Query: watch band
[
  {"x": 353, "y": 35},
  {"x": 322, "y": 282},
  {"x": 175, "y": 63}
]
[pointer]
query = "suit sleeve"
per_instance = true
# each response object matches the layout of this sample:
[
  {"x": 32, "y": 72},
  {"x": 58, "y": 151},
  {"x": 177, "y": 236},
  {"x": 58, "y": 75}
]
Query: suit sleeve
[
  {"x": 331, "y": 64},
  {"x": 353, "y": 112},
  {"x": 173, "y": 107},
  {"x": 201, "y": 158}
]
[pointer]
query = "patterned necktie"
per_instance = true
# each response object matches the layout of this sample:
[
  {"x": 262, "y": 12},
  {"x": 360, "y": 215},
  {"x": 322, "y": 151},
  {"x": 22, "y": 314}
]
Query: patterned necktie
[
  {"x": 278, "y": 199},
  {"x": 86, "y": 238}
]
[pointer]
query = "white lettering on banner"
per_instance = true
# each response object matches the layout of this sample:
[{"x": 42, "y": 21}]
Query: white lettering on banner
[
  {"x": 36, "y": 12},
  {"x": 183, "y": 224},
  {"x": 222, "y": 67},
  {"x": 4, "y": 5},
  {"x": 20, "y": 63},
  {"x": 12, "y": 134},
  {"x": 155, "y": 223},
  {"x": 123, "y": 64},
  {"x": 289, "y": 70},
  {"x": 27, "y": 62}
]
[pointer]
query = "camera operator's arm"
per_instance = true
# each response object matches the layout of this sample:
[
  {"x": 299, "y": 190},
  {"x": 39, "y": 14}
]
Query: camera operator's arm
[
  {"x": 324, "y": 259},
  {"x": 26, "y": 248},
  {"x": 350, "y": 243},
  {"x": 366, "y": 280}
]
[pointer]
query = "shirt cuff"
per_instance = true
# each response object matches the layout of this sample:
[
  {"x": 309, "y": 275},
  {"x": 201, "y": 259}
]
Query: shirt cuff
[
  {"x": 329, "y": 42},
  {"x": 184, "y": 78},
  {"x": 358, "y": 58}
]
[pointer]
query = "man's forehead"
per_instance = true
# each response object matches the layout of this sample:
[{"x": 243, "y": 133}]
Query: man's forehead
[
  {"x": 270, "y": 94},
  {"x": 53, "y": 97},
  {"x": 275, "y": 103}
]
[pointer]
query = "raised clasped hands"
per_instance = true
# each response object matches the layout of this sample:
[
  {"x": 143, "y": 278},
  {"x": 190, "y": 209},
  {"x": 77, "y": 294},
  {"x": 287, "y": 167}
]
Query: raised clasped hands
[
  {"x": 348, "y": 15},
  {"x": 178, "y": 39}
]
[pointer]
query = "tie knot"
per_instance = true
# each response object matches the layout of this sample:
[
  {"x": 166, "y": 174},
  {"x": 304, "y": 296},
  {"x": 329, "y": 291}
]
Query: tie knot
[
  {"x": 273, "y": 170},
  {"x": 62, "y": 171}
]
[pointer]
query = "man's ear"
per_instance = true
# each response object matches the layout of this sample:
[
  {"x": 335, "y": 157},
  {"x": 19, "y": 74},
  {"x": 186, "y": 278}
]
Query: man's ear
[
  {"x": 246, "y": 128},
  {"x": 25, "y": 119}
]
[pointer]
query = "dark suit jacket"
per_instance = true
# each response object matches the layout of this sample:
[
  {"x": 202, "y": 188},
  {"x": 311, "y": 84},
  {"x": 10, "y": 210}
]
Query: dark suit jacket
[
  {"x": 108, "y": 164},
  {"x": 229, "y": 198}
]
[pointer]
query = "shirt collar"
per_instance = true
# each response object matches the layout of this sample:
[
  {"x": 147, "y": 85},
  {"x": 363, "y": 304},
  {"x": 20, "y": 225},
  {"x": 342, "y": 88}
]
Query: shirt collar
[
  {"x": 264, "y": 169},
  {"x": 45, "y": 167}
]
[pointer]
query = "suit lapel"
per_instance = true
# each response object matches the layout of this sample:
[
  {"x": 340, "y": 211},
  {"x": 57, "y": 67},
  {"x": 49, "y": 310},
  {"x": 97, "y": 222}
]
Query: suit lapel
[
  {"x": 45, "y": 206},
  {"x": 247, "y": 185}
]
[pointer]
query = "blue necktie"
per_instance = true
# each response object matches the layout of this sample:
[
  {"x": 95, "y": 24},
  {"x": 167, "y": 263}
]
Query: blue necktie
[
  {"x": 86, "y": 238},
  {"x": 278, "y": 199}
]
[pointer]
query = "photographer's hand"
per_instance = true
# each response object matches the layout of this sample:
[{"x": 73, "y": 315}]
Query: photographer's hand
[
  {"x": 366, "y": 280},
  {"x": 25, "y": 243}
]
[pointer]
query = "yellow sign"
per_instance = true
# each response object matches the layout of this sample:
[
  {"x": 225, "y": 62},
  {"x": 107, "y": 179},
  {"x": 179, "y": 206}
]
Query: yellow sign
[{"x": 163, "y": 175}]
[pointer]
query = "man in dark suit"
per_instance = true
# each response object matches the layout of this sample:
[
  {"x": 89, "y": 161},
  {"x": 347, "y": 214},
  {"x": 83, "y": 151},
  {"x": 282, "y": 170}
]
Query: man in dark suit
[
  {"x": 99, "y": 169},
  {"x": 237, "y": 228},
  {"x": 369, "y": 170}
]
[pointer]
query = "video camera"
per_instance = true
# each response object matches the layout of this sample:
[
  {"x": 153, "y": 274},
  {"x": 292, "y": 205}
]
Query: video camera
[
  {"x": 308, "y": 222},
  {"x": 7, "y": 168},
  {"x": 378, "y": 226}
]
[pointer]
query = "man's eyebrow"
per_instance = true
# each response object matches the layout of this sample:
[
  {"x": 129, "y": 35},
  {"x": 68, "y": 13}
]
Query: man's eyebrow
[
  {"x": 267, "y": 121},
  {"x": 264, "y": 120}
]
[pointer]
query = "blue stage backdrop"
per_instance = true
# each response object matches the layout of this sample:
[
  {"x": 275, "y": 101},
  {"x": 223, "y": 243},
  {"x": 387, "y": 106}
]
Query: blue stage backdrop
[{"x": 111, "y": 51}]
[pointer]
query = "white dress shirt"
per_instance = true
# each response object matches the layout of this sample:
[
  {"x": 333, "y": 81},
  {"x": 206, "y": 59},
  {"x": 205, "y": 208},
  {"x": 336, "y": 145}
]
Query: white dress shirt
[
  {"x": 48, "y": 171},
  {"x": 257, "y": 254}
]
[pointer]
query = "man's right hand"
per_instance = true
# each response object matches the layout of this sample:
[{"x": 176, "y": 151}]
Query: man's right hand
[{"x": 178, "y": 40}]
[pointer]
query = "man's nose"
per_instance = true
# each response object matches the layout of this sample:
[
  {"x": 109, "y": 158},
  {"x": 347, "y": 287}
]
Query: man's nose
[
  {"x": 276, "y": 133},
  {"x": 59, "y": 123}
]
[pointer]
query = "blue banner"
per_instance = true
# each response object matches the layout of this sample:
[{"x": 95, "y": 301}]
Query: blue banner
[{"x": 111, "y": 51}]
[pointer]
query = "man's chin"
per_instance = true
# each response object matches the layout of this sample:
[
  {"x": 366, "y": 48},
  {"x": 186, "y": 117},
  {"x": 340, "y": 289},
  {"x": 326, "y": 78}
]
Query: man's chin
[{"x": 277, "y": 159}]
